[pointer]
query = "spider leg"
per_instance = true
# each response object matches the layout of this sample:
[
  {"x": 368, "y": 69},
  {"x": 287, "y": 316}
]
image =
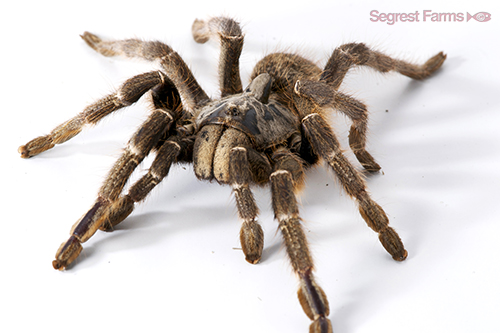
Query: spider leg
[
  {"x": 323, "y": 95},
  {"x": 172, "y": 63},
  {"x": 229, "y": 34},
  {"x": 285, "y": 180},
  {"x": 130, "y": 91},
  {"x": 251, "y": 234},
  {"x": 139, "y": 146},
  {"x": 325, "y": 91},
  {"x": 123, "y": 207},
  {"x": 348, "y": 55},
  {"x": 326, "y": 145}
]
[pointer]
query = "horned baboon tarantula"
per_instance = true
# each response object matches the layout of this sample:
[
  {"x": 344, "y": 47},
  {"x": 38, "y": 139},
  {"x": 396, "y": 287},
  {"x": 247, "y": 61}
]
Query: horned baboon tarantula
[{"x": 269, "y": 133}]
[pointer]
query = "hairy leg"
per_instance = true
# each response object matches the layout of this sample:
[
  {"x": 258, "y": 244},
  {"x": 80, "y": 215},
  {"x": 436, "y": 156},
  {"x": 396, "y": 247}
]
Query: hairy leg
[
  {"x": 326, "y": 145},
  {"x": 172, "y": 63},
  {"x": 122, "y": 207},
  {"x": 228, "y": 33},
  {"x": 138, "y": 147},
  {"x": 285, "y": 180},
  {"x": 352, "y": 54},
  {"x": 130, "y": 91},
  {"x": 323, "y": 95},
  {"x": 142, "y": 142},
  {"x": 251, "y": 234},
  {"x": 325, "y": 91}
]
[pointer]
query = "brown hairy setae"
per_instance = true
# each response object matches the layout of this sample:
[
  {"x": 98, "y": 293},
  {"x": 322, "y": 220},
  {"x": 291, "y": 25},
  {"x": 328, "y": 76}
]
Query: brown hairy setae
[{"x": 269, "y": 133}]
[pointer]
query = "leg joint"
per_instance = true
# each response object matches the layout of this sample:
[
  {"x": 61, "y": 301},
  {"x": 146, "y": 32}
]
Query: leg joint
[{"x": 358, "y": 53}]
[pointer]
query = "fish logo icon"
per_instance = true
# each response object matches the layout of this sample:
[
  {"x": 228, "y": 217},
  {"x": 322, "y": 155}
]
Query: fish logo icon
[{"x": 480, "y": 17}]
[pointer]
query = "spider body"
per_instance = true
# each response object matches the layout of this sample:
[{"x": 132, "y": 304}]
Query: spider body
[
  {"x": 268, "y": 134},
  {"x": 249, "y": 120}
]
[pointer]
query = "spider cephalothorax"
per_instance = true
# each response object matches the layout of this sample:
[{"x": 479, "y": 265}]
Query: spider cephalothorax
[{"x": 269, "y": 133}]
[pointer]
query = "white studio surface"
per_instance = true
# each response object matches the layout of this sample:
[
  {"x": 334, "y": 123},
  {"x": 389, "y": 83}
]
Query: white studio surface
[{"x": 174, "y": 265}]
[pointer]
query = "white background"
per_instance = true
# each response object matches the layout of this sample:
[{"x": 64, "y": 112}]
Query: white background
[{"x": 174, "y": 265}]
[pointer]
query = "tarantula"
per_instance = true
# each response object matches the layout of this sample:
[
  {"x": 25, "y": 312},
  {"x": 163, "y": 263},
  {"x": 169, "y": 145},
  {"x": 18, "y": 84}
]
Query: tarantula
[{"x": 269, "y": 133}]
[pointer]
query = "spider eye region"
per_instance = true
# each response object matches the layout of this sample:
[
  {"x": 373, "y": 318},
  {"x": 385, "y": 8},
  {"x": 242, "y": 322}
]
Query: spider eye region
[
  {"x": 239, "y": 112},
  {"x": 232, "y": 111}
]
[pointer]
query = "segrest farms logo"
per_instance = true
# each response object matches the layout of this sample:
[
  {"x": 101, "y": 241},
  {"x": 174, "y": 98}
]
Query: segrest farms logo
[{"x": 427, "y": 16}]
